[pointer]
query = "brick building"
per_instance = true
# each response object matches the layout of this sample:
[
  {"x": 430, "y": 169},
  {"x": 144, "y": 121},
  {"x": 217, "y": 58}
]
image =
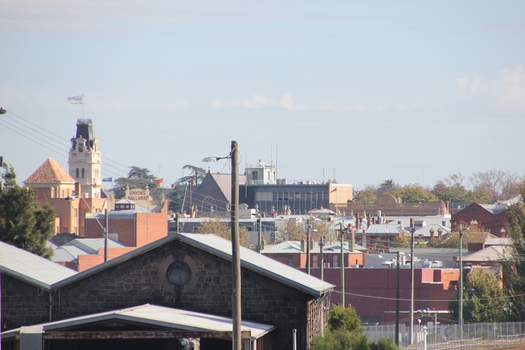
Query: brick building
[
  {"x": 184, "y": 271},
  {"x": 492, "y": 217},
  {"x": 130, "y": 223},
  {"x": 52, "y": 185}
]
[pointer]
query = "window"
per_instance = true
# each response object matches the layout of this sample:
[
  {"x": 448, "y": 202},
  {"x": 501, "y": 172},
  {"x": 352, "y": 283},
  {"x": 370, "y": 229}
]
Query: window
[
  {"x": 290, "y": 260},
  {"x": 83, "y": 173},
  {"x": 335, "y": 260},
  {"x": 254, "y": 175},
  {"x": 315, "y": 261},
  {"x": 474, "y": 211},
  {"x": 77, "y": 172}
]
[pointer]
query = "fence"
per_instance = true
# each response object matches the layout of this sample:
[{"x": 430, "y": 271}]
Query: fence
[{"x": 453, "y": 336}]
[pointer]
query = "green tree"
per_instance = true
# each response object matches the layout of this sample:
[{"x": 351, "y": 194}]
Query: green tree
[
  {"x": 514, "y": 268},
  {"x": 178, "y": 191},
  {"x": 414, "y": 194},
  {"x": 483, "y": 298},
  {"x": 387, "y": 186},
  {"x": 404, "y": 238},
  {"x": 345, "y": 332},
  {"x": 23, "y": 223},
  {"x": 137, "y": 178},
  {"x": 364, "y": 196},
  {"x": 345, "y": 319}
]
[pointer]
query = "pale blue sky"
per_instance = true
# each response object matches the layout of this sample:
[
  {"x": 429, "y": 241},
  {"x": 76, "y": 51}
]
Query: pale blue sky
[{"x": 412, "y": 91}]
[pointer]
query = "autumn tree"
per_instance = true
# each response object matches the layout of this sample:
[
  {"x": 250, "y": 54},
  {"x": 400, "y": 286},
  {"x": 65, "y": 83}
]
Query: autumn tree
[
  {"x": 293, "y": 230},
  {"x": 471, "y": 234},
  {"x": 496, "y": 184},
  {"x": 223, "y": 229},
  {"x": 23, "y": 222},
  {"x": 483, "y": 298},
  {"x": 404, "y": 239}
]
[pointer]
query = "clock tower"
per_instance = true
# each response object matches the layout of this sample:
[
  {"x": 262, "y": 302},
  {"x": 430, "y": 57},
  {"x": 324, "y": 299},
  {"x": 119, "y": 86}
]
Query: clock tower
[{"x": 84, "y": 160}]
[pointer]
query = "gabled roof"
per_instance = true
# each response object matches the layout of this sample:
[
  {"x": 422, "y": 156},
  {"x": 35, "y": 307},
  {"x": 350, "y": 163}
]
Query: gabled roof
[
  {"x": 224, "y": 181},
  {"x": 259, "y": 263},
  {"x": 222, "y": 248},
  {"x": 51, "y": 172},
  {"x": 158, "y": 316},
  {"x": 30, "y": 267}
]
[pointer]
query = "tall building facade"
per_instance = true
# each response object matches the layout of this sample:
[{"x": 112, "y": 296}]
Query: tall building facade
[{"x": 85, "y": 161}]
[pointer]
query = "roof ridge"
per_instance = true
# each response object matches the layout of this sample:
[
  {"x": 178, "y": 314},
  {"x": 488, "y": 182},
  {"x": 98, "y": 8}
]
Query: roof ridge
[{"x": 50, "y": 171}]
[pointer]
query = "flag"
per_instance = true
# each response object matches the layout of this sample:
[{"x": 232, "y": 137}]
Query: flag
[
  {"x": 107, "y": 179},
  {"x": 78, "y": 100},
  {"x": 159, "y": 181}
]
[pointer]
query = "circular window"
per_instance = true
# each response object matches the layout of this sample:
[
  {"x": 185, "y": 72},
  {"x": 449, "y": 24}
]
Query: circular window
[{"x": 178, "y": 273}]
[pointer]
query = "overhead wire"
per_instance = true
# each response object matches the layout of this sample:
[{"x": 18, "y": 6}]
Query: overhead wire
[{"x": 22, "y": 129}]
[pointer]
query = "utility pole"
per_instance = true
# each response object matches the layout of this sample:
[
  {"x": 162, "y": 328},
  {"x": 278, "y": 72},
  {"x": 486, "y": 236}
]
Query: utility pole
[
  {"x": 342, "y": 265},
  {"x": 412, "y": 231},
  {"x": 461, "y": 281},
  {"x": 259, "y": 235},
  {"x": 321, "y": 245},
  {"x": 236, "y": 259},
  {"x": 106, "y": 234},
  {"x": 308, "y": 228},
  {"x": 397, "y": 301}
]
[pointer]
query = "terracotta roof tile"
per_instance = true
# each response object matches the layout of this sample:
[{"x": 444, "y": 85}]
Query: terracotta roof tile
[{"x": 50, "y": 171}]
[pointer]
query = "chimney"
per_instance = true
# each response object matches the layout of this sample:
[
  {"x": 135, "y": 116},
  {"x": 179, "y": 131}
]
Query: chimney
[
  {"x": 352, "y": 239},
  {"x": 303, "y": 245},
  {"x": 431, "y": 234},
  {"x": 440, "y": 233},
  {"x": 363, "y": 238}
]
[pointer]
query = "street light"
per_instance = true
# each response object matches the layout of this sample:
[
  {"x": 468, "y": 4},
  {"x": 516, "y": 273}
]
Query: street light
[
  {"x": 236, "y": 259},
  {"x": 461, "y": 278}
]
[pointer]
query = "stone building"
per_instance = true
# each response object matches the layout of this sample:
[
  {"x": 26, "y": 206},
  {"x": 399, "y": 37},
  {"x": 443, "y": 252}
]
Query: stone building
[{"x": 184, "y": 271}]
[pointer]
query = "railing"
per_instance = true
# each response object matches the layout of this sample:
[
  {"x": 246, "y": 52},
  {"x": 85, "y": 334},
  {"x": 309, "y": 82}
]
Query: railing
[{"x": 452, "y": 336}]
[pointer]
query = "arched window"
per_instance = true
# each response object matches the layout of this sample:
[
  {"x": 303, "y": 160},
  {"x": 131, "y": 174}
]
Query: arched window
[
  {"x": 77, "y": 173},
  {"x": 83, "y": 172}
]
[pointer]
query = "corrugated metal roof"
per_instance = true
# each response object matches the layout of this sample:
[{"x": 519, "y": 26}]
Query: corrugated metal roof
[
  {"x": 492, "y": 253},
  {"x": 259, "y": 263},
  {"x": 222, "y": 248},
  {"x": 159, "y": 316},
  {"x": 30, "y": 267},
  {"x": 291, "y": 247}
]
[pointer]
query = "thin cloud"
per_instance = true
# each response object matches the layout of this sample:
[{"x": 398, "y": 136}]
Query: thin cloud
[{"x": 508, "y": 91}]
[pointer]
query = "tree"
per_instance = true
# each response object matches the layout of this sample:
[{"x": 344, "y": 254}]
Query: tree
[
  {"x": 471, "y": 234},
  {"x": 345, "y": 332},
  {"x": 291, "y": 230},
  {"x": 514, "y": 268},
  {"x": 222, "y": 229},
  {"x": 23, "y": 223},
  {"x": 387, "y": 186},
  {"x": 364, "y": 196},
  {"x": 404, "y": 238},
  {"x": 137, "y": 178},
  {"x": 497, "y": 184},
  {"x": 345, "y": 319},
  {"x": 414, "y": 194},
  {"x": 196, "y": 175},
  {"x": 483, "y": 298}
]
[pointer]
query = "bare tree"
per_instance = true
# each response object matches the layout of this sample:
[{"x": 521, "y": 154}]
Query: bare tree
[{"x": 497, "y": 184}]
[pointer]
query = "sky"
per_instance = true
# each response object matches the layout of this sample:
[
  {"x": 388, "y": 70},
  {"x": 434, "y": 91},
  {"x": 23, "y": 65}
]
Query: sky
[{"x": 356, "y": 91}]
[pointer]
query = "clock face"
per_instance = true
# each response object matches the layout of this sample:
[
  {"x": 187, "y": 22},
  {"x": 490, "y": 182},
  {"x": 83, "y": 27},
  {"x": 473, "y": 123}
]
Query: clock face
[{"x": 178, "y": 273}]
